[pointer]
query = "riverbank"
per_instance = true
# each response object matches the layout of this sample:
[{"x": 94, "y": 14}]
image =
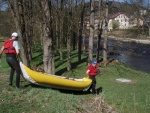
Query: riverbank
[
  {"x": 140, "y": 41},
  {"x": 134, "y": 52},
  {"x": 115, "y": 96}
]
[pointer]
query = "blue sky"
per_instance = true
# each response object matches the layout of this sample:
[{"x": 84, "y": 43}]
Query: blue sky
[
  {"x": 114, "y": 0},
  {"x": 146, "y": 1}
]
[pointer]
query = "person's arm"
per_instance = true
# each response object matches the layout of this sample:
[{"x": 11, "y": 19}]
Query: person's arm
[
  {"x": 1, "y": 52},
  {"x": 18, "y": 54},
  {"x": 17, "y": 48},
  {"x": 87, "y": 72},
  {"x": 97, "y": 69}
]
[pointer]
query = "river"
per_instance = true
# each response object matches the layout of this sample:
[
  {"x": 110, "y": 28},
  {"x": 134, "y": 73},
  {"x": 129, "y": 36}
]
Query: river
[{"x": 134, "y": 54}]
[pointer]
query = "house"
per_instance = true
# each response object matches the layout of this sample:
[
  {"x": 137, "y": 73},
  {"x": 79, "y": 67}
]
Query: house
[
  {"x": 136, "y": 21},
  {"x": 87, "y": 23},
  {"x": 121, "y": 18},
  {"x": 117, "y": 21},
  {"x": 143, "y": 12}
]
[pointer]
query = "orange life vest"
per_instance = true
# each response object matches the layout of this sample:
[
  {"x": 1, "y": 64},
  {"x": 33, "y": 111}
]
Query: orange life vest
[{"x": 8, "y": 47}]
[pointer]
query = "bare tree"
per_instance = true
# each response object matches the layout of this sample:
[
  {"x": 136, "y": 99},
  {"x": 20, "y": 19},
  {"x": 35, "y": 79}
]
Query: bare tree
[
  {"x": 57, "y": 22},
  {"x": 61, "y": 29},
  {"x": 148, "y": 16},
  {"x": 105, "y": 35},
  {"x": 80, "y": 30},
  {"x": 90, "y": 58},
  {"x": 69, "y": 36},
  {"x": 100, "y": 29},
  {"x": 139, "y": 7},
  {"x": 47, "y": 38},
  {"x": 19, "y": 9}
]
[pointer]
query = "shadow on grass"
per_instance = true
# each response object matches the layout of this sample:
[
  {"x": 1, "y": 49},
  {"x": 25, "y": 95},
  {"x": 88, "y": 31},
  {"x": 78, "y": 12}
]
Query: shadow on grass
[
  {"x": 40, "y": 63},
  {"x": 74, "y": 65},
  {"x": 37, "y": 56},
  {"x": 64, "y": 61},
  {"x": 60, "y": 72},
  {"x": 98, "y": 90}
]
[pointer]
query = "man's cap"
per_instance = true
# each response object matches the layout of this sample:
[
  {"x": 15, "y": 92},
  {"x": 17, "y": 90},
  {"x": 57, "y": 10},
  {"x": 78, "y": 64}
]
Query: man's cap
[
  {"x": 14, "y": 34},
  {"x": 94, "y": 62}
]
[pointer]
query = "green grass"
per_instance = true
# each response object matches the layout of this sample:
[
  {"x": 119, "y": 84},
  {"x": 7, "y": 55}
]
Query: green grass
[
  {"x": 123, "y": 97},
  {"x": 126, "y": 97}
]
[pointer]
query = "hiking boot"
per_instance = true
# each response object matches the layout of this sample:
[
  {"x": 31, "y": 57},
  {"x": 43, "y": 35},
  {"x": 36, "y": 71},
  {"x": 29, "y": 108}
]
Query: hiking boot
[
  {"x": 88, "y": 91},
  {"x": 99, "y": 90},
  {"x": 19, "y": 88}
]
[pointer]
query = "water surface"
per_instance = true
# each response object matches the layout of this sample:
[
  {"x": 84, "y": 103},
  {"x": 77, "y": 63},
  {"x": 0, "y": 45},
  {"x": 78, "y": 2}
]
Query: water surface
[{"x": 134, "y": 54}]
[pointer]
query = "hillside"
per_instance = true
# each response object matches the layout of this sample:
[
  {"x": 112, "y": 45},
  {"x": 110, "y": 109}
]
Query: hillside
[{"x": 114, "y": 7}]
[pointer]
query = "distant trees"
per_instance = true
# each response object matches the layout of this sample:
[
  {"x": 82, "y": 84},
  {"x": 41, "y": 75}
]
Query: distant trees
[
  {"x": 140, "y": 10},
  {"x": 54, "y": 21},
  {"x": 7, "y": 25},
  {"x": 22, "y": 15},
  {"x": 56, "y": 24},
  {"x": 115, "y": 24}
]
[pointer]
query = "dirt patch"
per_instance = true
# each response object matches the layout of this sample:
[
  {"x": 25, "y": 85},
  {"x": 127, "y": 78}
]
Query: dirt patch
[
  {"x": 124, "y": 80},
  {"x": 127, "y": 34},
  {"x": 97, "y": 105},
  {"x": 121, "y": 33}
]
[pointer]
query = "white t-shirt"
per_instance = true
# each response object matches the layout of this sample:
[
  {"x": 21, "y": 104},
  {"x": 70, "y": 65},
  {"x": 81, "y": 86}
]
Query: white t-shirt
[{"x": 16, "y": 46}]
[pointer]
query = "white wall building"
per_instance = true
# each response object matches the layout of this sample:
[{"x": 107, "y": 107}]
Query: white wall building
[
  {"x": 136, "y": 21},
  {"x": 124, "y": 22},
  {"x": 122, "y": 18}
]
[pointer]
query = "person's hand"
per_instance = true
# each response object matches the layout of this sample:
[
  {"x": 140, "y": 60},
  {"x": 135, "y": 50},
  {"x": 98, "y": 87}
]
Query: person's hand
[
  {"x": 0, "y": 55},
  {"x": 19, "y": 59},
  {"x": 0, "y": 58}
]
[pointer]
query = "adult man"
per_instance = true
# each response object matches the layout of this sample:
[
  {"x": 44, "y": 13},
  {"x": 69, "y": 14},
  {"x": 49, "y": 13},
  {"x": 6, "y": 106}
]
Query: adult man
[
  {"x": 11, "y": 49},
  {"x": 92, "y": 72}
]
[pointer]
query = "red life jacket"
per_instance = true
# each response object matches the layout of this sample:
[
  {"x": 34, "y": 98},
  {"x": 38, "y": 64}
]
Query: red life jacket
[
  {"x": 8, "y": 47},
  {"x": 93, "y": 70}
]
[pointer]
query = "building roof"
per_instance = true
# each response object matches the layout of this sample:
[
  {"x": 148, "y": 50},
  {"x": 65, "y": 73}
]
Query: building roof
[{"x": 115, "y": 15}]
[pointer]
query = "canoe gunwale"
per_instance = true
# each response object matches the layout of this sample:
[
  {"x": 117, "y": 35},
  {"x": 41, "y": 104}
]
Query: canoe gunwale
[{"x": 77, "y": 81}]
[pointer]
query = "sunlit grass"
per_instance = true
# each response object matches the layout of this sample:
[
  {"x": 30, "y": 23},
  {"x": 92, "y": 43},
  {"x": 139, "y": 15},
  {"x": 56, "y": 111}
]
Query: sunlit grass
[
  {"x": 127, "y": 97},
  {"x": 123, "y": 97}
]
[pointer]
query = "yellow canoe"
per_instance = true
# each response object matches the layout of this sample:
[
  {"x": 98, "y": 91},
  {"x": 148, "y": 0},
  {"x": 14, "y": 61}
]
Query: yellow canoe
[{"x": 54, "y": 81}]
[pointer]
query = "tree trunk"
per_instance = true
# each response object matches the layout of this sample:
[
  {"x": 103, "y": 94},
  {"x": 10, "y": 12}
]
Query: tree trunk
[
  {"x": 74, "y": 41},
  {"x": 68, "y": 51},
  {"x": 57, "y": 23},
  {"x": 61, "y": 40},
  {"x": 90, "y": 58},
  {"x": 61, "y": 30},
  {"x": 105, "y": 36},
  {"x": 99, "y": 31},
  {"x": 19, "y": 10},
  {"x": 48, "y": 52},
  {"x": 69, "y": 37},
  {"x": 80, "y": 31},
  {"x": 149, "y": 31}
]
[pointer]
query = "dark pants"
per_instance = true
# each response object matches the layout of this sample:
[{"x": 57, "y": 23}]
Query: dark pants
[
  {"x": 93, "y": 85},
  {"x": 14, "y": 64}
]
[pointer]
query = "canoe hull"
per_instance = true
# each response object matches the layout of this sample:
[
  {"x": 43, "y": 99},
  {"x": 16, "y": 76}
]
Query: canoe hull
[{"x": 54, "y": 81}]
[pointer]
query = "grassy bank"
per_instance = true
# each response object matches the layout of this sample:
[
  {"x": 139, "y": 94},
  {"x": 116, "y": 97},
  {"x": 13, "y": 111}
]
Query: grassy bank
[{"x": 123, "y": 97}]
